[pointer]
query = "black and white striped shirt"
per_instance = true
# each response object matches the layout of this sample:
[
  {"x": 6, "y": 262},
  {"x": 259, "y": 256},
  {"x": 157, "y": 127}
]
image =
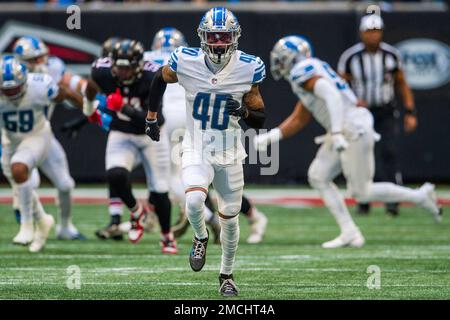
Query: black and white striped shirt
[{"x": 372, "y": 73}]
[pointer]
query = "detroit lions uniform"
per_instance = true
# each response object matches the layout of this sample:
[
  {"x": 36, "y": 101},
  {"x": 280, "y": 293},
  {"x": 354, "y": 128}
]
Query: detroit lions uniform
[
  {"x": 356, "y": 161},
  {"x": 212, "y": 151}
]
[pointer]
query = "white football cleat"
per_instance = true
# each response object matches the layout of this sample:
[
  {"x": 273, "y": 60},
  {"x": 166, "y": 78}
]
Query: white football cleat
[
  {"x": 26, "y": 233},
  {"x": 430, "y": 201},
  {"x": 43, "y": 227},
  {"x": 354, "y": 239},
  {"x": 258, "y": 224}
]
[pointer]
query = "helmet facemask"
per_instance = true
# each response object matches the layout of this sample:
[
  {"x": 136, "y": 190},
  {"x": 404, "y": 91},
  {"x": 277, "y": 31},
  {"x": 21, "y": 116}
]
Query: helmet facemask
[{"x": 219, "y": 45}]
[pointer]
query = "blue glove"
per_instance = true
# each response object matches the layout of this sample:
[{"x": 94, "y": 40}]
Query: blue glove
[
  {"x": 106, "y": 121},
  {"x": 101, "y": 98}
]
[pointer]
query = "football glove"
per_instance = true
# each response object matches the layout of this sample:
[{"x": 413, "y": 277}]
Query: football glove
[
  {"x": 338, "y": 141},
  {"x": 115, "y": 101},
  {"x": 234, "y": 108},
  {"x": 152, "y": 129},
  {"x": 101, "y": 102}
]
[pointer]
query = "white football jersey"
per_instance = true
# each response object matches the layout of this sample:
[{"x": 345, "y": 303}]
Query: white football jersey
[
  {"x": 26, "y": 116},
  {"x": 208, "y": 124},
  {"x": 174, "y": 98},
  {"x": 312, "y": 67}
]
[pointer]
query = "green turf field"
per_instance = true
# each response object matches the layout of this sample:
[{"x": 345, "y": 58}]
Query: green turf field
[{"x": 412, "y": 252}]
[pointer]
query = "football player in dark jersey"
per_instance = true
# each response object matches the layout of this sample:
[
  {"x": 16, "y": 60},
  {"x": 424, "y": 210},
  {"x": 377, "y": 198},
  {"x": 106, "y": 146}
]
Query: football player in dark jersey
[{"x": 125, "y": 79}]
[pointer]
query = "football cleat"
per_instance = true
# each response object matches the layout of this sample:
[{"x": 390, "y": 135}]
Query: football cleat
[
  {"x": 354, "y": 239},
  {"x": 69, "y": 233},
  {"x": 227, "y": 287},
  {"x": 168, "y": 243},
  {"x": 43, "y": 227},
  {"x": 26, "y": 233},
  {"x": 137, "y": 224},
  {"x": 430, "y": 202},
  {"x": 363, "y": 208},
  {"x": 197, "y": 256},
  {"x": 258, "y": 224},
  {"x": 111, "y": 231}
]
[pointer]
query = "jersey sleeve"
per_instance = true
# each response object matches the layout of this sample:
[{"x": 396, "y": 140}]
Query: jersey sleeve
[
  {"x": 259, "y": 73},
  {"x": 99, "y": 68},
  {"x": 303, "y": 71},
  {"x": 174, "y": 59},
  {"x": 56, "y": 68},
  {"x": 51, "y": 88}
]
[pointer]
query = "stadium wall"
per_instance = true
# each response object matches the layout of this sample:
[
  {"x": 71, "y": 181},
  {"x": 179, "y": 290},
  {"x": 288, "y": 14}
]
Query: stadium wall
[{"x": 425, "y": 154}]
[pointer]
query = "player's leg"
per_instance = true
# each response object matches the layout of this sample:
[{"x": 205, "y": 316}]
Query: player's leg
[
  {"x": 256, "y": 219},
  {"x": 324, "y": 168},
  {"x": 155, "y": 158},
  {"x": 196, "y": 180},
  {"x": 30, "y": 153},
  {"x": 121, "y": 152},
  {"x": 228, "y": 183},
  {"x": 56, "y": 168},
  {"x": 35, "y": 181},
  {"x": 358, "y": 164}
]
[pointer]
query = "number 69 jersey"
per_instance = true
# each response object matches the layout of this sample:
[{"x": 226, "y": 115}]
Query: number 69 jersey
[
  {"x": 26, "y": 116},
  {"x": 210, "y": 129},
  {"x": 309, "y": 68}
]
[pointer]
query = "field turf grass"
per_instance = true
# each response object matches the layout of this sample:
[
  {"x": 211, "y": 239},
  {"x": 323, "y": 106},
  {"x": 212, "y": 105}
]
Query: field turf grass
[{"x": 412, "y": 252}]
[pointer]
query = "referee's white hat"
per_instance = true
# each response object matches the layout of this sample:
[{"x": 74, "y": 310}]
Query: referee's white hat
[{"x": 371, "y": 22}]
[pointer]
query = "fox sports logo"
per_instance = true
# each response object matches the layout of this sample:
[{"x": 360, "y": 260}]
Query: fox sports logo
[{"x": 426, "y": 63}]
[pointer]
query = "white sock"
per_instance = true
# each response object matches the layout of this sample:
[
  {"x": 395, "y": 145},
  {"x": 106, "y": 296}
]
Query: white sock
[
  {"x": 389, "y": 192},
  {"x": 229, "y": 238},
  {"x": 335, "y": 203},
  {"x": 38, "y": 209},
  {"x": 115, "y": 207},
  {"x": 25, "y": 195},
  {"x": 195, "y": 208},
  {"x": 65, "y": 206}
]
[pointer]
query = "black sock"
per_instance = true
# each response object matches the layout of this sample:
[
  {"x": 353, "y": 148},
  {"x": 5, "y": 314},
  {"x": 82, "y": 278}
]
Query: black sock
[
  {"x": 115, "y": 219},
  {"x": 163, "y": 209},
  {"x": 226, "y": 276},
  {"x": 245, "y": 206},
  {"x": 120, "y": 184}
]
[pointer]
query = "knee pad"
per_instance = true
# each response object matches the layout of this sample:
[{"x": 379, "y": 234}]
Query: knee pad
[
  {"x": 195, "y": 201},
  {"x": 360, "y": 195},
  {"x": 65, "y": 184},
  {"x": 316, "y": 181}
]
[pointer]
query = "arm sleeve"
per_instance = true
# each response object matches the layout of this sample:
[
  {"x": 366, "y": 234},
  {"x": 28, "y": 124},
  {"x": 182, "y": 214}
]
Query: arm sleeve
[
  {"x": 157, "y": 89},
  {"x": 333, "y": 102},
  {"x": 260, "y": 72}
]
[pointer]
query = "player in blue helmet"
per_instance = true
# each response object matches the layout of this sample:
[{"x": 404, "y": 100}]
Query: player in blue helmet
[
  {"x": 348, "y": 144},
  {"x": 222, "y": 87}
]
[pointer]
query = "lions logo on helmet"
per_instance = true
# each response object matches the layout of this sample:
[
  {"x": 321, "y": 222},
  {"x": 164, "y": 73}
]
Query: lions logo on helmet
[
  {"x": 286, "y": 53},
  {"x": 168, "y": 39},
  {"x": 13, "y": 78},
  {"x": 219, "y": 31},
  {"x": 30, "y": 48}
]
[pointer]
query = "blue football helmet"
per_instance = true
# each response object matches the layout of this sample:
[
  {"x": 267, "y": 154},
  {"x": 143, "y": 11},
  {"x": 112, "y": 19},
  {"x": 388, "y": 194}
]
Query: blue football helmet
[
  {"x": 286, "y": 53},
  {"x": 33, "y": 52},
  {"x": 168, "y": 39},
  {"x": 13, "y": 78},
  {"x": 219, "y": 31}
]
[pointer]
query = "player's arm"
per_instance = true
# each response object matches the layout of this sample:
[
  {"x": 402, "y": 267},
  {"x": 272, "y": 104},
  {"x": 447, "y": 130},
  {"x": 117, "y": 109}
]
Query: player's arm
[
  {"x": 162, "y": 77},
  {"x": 74, "y": 82},
  {"x": 335, "y": 107},
  {"x": 410, "y": 120},
  {"x": 251, "y": 110},
  {"x": 295, "y": 122},
  {"x": 74, "y": 97},
  {"x": 90, "y": 92}
]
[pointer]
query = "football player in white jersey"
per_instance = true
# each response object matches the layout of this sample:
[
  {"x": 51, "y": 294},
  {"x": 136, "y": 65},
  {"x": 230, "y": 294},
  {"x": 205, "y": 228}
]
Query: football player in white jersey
[
  {"x": 25, "y": 135},
  {"x": 35, "y": 54},
  {"x": 164, "y": 43},
  {"x": 221, "y": 85},
  {"x": 347, "y": 145}
]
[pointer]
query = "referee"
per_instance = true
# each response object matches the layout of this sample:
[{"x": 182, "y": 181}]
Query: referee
[{"x": 374, "y": 70}]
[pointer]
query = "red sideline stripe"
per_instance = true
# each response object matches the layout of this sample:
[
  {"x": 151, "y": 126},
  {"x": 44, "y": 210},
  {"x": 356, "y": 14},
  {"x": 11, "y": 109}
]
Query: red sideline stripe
[{"x": 305, "y": 201}]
